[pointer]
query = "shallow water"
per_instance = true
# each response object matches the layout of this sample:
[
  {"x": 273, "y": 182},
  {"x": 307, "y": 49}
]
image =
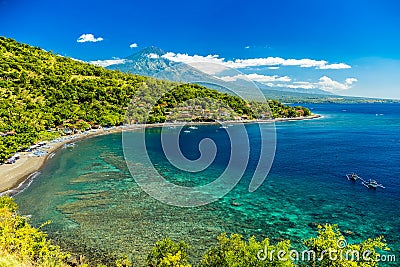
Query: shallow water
[{"x": 97, "y": 208}]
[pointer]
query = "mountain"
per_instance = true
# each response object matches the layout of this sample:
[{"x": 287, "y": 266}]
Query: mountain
[
  {"x": 150, "y": 62},
  {"x": 147, "y": 62}
]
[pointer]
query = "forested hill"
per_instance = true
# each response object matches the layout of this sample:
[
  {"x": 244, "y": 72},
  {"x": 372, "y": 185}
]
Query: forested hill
[{"x": 40, "y": 91}]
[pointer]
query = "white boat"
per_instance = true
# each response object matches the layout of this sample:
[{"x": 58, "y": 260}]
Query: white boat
[
  {"x": 186, "y": 131},
  {"x": 69, "y": 145},
  {"x": 193, "y": 127},
  {"x": 352, "y": 177},
  {"x": 372, "y": 184}
]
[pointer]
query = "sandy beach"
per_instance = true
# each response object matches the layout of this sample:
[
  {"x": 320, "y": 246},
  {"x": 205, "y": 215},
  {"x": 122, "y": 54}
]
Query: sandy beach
[{"x": 13, "y": 176}]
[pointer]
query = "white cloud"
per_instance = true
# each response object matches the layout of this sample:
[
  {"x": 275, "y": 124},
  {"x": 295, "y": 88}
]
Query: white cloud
[
  {"x": 350, "y": 81},
  {"x": 210, "y": 64},
  {"x": 335, "y": 66},
  {"x": 185, "y": 58},
  {"x": 257, "y": 78},
  {"x": 273, "y": 68},
  {"x": 327, "y": 84},
  {"x": 88, "y": 37},
  {"x": 294, "y": 85},
  {"x": 153, "y": 55},
  {"x": 76, "y": 59},
  {"x": 107, "y": 62},
  {"x": 272, "y": 62},
  {"x": 324, "y": 83},
  {"x": 134, "y": 45}
]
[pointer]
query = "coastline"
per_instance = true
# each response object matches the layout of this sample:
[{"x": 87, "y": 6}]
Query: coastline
[{"x": 15, "y": 177}]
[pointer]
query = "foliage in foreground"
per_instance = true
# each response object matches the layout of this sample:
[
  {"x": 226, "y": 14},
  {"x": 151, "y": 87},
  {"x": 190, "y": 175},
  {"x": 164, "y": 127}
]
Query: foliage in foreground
[
  {"x": 234, "y": 251},
  {"x": 23, "y": 245},
  {"x": 168, "y": 253},
  {"x": 330, "y": 238}
]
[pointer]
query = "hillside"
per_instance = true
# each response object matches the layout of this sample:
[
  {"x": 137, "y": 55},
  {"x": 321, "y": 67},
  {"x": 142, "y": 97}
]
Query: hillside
[{"x": 42, "y": 93}]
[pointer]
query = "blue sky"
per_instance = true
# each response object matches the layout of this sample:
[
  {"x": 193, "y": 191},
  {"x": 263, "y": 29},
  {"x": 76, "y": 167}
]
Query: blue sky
[{"x": 364, "y": 35}]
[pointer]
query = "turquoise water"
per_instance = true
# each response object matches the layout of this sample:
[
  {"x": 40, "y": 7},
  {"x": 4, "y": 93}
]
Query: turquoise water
[{"x": 96, "y": 207}]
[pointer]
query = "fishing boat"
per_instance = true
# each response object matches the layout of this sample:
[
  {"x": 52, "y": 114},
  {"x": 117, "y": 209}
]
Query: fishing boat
[
  {"x": 372, "y": 184},
  {"x": 69, "y": 145},
  {"x": 352, "y": 177}
]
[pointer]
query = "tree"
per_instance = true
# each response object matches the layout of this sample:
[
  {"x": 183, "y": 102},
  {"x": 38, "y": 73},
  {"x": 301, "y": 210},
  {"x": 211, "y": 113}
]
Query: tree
[
  {"x": 332, "y": 249},
  {"x": 233, "y": 251},
  {"x": 168, "y": 253}
]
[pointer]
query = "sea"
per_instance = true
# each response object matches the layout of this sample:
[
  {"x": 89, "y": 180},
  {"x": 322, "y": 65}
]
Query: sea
[{"x": 97, "y": 208}]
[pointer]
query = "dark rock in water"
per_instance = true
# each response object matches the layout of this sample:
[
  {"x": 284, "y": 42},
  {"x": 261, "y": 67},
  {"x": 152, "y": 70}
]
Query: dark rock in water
[
  {"x": 291, "y": 225},
  {"x": 347, "y": 233},
  {"x": 314, "y": 225},
  {"x": 284, "y": 219}
]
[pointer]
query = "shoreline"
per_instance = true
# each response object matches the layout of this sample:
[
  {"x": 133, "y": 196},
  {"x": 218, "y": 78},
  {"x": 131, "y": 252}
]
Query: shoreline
[{"x": 17, "y": 176}]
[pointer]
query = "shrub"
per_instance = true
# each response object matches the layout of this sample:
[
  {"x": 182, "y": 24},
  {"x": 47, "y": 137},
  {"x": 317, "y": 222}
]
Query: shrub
[{"x": 168, "y": 253}]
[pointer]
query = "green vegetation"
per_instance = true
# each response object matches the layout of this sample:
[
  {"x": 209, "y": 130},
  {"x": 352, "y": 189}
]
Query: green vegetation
[
  {"x": 234, "y": 251},
  {"x": 168, "y": 253},
  {"x": 42, "y": 94},
  {"x": 24, "y": 245},
  {"x": 330, "y": 238}
]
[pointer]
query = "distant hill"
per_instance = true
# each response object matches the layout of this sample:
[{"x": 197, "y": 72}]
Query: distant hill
[
  {"x": 313, "y": 91},
  {"x": 149, "y": 62}
]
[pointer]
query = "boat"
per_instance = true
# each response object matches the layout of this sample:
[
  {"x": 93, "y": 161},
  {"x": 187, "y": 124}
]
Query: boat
[
  {"x": 352, "y": 177},
  {"x": 223, "y": 127},
  {"x": 372, "y": 184},
  {"x": 69, "y": 145},
  {"x": 186, "y": 131},
  {"x": 193, "y": 127}
]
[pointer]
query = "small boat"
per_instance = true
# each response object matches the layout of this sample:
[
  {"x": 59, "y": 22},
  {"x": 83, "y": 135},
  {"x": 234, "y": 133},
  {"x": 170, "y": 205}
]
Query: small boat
[
  {"x": 69, "y": 145},
  {"x": 193, "y": 127},
  {"x": 186, "y": 131},
  {"x": 223, "y": 127},
  {"x": 372, "y": 184},
  {"x": 11, "y": 160},
  {"x": 352, "y": 177}
]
